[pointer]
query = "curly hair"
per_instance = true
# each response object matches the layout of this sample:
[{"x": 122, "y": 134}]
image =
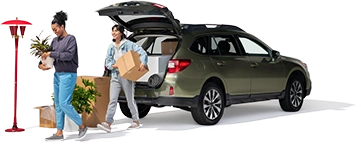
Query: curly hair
[{"x": 60, "y": 18}]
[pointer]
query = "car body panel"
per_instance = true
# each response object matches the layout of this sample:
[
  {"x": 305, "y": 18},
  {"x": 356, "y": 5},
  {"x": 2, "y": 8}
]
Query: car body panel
[
  {"x": 267, "y": 76},
  {"x": 236, "y": 73},
  {"x": 291, "y": 65}
]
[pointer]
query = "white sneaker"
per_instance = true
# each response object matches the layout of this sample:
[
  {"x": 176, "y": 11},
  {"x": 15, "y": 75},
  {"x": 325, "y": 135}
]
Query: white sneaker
[
  {"x": 134, "y": 125},
  {"x": 104, "y": 126}
]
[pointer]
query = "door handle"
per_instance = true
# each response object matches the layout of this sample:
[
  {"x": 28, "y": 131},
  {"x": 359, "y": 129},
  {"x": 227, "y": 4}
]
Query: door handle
[
  {"x": 222, "y": 63},
  {"x": 254, "y": 64}
]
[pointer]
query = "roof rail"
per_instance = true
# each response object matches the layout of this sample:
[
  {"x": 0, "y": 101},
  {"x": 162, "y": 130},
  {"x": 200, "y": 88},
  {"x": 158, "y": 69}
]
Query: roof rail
[{"x": 210, "y": 26}]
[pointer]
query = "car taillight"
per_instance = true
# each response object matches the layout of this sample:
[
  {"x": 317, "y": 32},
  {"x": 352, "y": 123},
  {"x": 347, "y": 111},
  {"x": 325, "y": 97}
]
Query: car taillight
[
  {"x": 177, "y": 65},
  {"x": 158, "y": 5},
  {"x": 171, "y": 90}
]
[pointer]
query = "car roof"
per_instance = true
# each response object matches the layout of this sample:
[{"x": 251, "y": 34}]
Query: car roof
[
  {"x": 195, "y": 28},
  {"x": 206, "y": 28}
]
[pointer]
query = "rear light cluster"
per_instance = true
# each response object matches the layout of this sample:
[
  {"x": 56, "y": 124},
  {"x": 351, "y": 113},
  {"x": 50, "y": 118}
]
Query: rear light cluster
[
  {"x": 171, "y": 90},
  {"x": 158, "y": 5},
  {"x": 177, "y": 65}
]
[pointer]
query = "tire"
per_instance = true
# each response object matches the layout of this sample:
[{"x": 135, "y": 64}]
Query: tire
[
  {"x": 216, "y": 107},
  {"x": 295, "y": 93},
  {"x": 143, "y": 110}
]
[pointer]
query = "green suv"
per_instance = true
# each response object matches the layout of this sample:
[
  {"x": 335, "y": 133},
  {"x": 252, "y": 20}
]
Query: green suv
[{"x": 204, "y": 68}]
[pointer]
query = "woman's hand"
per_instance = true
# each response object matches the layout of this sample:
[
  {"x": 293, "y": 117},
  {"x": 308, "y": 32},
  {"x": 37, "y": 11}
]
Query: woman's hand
[
  {"x": 43, "y": 67},
  {"x": 45, "y": 55},
  {"x": 141, "y": 67},
  {"x": 114, "y": 66}
]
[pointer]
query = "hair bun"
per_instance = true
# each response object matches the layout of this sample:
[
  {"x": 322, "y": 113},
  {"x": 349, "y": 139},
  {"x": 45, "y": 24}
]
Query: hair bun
[{"x": 62, "y": 16}]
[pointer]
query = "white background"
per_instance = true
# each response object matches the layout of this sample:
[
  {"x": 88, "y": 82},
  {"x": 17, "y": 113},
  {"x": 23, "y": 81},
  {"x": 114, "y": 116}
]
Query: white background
[{"x": 284, "y": 131}]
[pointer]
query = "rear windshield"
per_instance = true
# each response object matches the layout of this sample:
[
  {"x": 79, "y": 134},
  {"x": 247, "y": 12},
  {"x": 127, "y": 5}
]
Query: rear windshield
[{"x": 157, "y": 44}]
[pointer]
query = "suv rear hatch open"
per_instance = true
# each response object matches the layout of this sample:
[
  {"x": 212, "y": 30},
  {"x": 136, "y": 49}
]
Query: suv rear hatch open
[
  {"x": 155, "y": 29},
  {"x": 142, "y": 16}
]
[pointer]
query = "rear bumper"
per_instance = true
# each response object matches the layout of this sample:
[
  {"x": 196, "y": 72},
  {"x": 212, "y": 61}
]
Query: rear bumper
[{"x": 165, "y": 101}]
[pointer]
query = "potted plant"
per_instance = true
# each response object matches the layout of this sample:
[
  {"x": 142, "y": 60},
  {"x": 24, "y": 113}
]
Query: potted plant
[
  {"x": 41, "y": 46},
  {"x": 82, "y": 99}
]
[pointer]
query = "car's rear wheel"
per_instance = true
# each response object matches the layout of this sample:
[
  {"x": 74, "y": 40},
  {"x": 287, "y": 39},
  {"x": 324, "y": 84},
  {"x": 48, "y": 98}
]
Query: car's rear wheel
[
  {"x": 143, "y": 110},
  {"x": 295, "y": 93},
  {"x": 210, "y": 106}
]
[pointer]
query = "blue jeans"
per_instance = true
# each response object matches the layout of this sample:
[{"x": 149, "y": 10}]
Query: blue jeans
[{"x": 64, "y": 84}]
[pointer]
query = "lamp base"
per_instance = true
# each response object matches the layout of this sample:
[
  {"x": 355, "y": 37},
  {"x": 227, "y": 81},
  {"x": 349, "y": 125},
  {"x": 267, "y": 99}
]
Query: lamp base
[{"x": 15, "y": 129}]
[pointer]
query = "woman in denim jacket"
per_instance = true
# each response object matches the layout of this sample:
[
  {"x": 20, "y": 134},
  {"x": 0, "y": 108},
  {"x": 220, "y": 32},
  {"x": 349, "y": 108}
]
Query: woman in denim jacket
[{"x": 115, "y": 50}]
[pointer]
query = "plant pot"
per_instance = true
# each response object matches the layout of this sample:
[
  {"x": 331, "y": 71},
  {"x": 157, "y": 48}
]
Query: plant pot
[
  {"x": 70, "y": 125},
  {"x": 48, "y": 62}
]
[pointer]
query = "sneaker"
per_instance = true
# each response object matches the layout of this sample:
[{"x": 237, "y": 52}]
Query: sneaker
[
  {"x": 82, "y": 132},
  {"x": 104, "y": 126},
  {"x": 54, "y": 137},
  {"x": 134, "y": 125}
]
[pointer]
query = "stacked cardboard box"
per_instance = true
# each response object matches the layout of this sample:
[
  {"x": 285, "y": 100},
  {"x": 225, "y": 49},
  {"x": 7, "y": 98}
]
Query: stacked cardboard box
[
  {"x": 47, "y": 116},
  {"x": 101, "y": 105},
  {"x": 169, "y": 46}
]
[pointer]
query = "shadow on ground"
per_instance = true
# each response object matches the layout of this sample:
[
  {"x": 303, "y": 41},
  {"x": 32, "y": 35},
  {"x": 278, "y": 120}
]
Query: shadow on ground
[{"x": 182, "y": 120}]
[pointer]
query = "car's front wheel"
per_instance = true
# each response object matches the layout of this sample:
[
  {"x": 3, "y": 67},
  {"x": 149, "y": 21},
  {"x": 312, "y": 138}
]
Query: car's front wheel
[
  {"x": 295, "y": 93},
  {"x": 143, "y": 110},
  {"x": 210, "y": 105}
]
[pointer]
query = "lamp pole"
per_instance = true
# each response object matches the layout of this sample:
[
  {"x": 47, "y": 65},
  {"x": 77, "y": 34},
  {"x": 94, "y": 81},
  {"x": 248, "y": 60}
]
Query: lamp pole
[{"x": 13, "y": 29}]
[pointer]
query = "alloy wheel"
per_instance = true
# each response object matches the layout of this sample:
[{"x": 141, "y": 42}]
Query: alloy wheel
[
  {"x": 296, "y": 94},
  {"x": 212, "y": 104}
]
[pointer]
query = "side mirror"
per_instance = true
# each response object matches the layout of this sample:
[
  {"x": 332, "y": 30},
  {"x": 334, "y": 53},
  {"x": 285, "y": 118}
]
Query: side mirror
[{"x": 275, "y": 54}]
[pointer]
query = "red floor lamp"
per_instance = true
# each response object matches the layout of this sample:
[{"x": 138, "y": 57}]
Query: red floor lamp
[{"x": 13, "y": 24}]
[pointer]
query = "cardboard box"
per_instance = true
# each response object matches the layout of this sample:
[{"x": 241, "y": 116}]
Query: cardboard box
[
  {"x": 158, "y": 64},
  {"x": 47, "y": 116},
  {"x": 128, "y": 66},
  {"x": 169, "y": 46},
  {"x": 100, "y": 107}
]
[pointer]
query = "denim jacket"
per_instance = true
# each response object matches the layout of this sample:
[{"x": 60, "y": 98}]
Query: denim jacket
[{"x": 125, "y": 47}]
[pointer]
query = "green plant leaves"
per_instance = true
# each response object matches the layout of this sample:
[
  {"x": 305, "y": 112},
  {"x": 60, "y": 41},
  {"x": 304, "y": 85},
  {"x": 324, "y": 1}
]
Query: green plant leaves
[
  {"x": 83, "y": 97},
  {"x": 40, "y": 46}
]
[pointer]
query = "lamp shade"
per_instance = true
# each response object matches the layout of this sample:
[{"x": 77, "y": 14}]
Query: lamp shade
[
  {"x": 22, "y": 30},
  {"x": 13, "y": 30},
  {"x": 16, "y": 22}
]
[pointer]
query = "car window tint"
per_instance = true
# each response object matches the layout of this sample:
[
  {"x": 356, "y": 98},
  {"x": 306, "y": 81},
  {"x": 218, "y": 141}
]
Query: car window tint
[
  {"x": 199, "y": 46},
  {"x": 251, "y": 47},
  {"x": 224, "y": 45}
]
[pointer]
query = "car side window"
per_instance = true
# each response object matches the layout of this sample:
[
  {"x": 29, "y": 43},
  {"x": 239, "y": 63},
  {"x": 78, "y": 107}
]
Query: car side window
[
  {"x": 251, "y": 47},
  {"x": 224, "y": 45},
  {"x": 199, "y": 46}
]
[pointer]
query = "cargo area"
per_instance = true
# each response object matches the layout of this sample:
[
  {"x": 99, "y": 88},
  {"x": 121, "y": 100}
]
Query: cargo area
[{"x": 160, "y": 49}]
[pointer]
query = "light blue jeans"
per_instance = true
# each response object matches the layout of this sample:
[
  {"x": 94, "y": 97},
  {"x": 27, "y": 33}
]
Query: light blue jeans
[{"x": 64, "y": 84}]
